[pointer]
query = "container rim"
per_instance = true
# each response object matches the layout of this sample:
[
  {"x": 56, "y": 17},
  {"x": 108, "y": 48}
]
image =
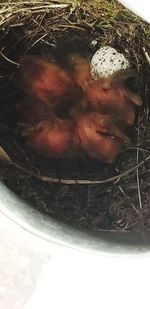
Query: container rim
[
  {"x": 140, "y": 8},
  {"x": 55, "y": 232}
]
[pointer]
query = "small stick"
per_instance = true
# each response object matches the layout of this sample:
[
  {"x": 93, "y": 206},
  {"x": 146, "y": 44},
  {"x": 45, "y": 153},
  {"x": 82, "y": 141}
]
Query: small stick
[
  {"x": 146, "y": 55},
  {"x": 38, "y": 40},
  {"x": 9, "y": 60},
  {"x": 79, "y": 181}
]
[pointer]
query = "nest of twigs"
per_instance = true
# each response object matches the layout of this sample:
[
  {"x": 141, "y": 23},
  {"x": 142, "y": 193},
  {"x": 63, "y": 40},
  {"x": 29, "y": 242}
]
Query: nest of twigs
[{"x": 93, "y": 195}]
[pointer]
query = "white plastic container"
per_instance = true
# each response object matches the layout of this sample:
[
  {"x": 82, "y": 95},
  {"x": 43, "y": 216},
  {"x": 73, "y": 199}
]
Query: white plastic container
[
  {"x": 139, "y": 7},
  {"x": 45, "y": 264}
]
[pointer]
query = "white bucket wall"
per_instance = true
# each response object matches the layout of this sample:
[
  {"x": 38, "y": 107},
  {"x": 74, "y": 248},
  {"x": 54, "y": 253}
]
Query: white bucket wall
[{"x": 139, "y": 7}]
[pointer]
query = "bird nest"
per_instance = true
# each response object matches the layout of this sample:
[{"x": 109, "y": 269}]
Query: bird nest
[{"x": 92, "y": 195}]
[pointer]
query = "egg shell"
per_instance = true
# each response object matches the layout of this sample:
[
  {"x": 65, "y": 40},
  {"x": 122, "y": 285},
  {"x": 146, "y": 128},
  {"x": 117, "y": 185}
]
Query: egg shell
[{"x": 106, "y": 61}]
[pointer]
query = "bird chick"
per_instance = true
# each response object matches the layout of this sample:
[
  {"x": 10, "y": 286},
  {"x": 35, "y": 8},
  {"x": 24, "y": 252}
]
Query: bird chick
[
  {"x": 47, "y": 82},
  {"x": 80, "y": 68},
  {"x": 99, "y": 136},
  {"x": 106, "y": 95},
  {"x": 53, "y": 138},
  {"x": 110, "y": 96}
]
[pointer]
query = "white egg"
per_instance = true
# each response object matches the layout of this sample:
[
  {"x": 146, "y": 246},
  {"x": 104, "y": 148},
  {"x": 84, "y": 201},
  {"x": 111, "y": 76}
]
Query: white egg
[{"x": 106, "y": 61}]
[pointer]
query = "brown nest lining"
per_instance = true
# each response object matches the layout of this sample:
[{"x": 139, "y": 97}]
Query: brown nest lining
[{"x": 123, "y": 203}]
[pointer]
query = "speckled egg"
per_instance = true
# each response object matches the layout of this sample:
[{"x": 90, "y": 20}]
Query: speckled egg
[{"x": 106, "y": 61}]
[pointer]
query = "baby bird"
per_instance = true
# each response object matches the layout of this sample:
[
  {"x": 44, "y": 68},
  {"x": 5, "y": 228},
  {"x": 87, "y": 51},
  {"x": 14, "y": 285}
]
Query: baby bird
[
  {"x": 80, "y": 69},
  {"x": 99, "y": 136},
  {"x": 53, "y": 138},
  {"x": 110, "y": 96},
  {"x": 106, "y": 95},
  {"x": 47, "y": 82}
]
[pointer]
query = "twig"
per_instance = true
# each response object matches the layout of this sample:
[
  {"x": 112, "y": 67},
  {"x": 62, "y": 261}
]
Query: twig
[
  {"x": 146, "y": 55},
  {"x": 50, "y": 179},
  {"x": 24, "y": 2},
  {"x": 34, "y": 34},
  {"x": 120, "y": 188},
  {"x": 28, "y": 10},
  {"x": 9, "y": 60},
  {"x": 71, "y": 26},
  {"x": 38, "y": 40},
  {"x": 34, "y": 8}
]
